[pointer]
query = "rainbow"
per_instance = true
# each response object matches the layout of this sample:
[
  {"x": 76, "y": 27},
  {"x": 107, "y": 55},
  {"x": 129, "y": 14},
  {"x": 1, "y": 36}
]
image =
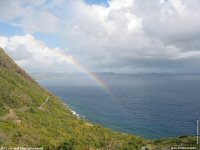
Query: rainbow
[
  {"x": 83, "y": 69},
  {"x": 89, "y": 73}
]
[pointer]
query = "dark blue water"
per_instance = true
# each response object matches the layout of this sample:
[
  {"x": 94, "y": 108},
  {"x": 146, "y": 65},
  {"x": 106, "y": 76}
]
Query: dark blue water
[{"x": 152, "y": 106}]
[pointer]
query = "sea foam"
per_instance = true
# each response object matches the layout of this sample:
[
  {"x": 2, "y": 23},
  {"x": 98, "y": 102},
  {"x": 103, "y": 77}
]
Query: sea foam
[{"x": 73, "y": 112}]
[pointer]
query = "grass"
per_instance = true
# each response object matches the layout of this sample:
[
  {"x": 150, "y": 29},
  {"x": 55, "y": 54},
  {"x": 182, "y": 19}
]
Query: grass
[{"x": 54, "y": 126}]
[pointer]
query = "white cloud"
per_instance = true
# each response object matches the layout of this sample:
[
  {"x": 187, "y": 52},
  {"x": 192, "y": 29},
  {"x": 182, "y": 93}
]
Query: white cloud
[
  {"x": 32, "y": 16},
  {"x": 9, "y": 9},
  {"x": 34, "y": 55},
  {"x": 125, "y": 35},
  {"x": 41, "y": 22},
  {"x": 120, "y": 35},
  {"x": 3, "y": 41},
  {"x": 119, "y": 4},
  {"x": 171, "y": 21}
]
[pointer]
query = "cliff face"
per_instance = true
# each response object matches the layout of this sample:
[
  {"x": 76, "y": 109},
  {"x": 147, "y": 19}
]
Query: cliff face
[{"x": 31, "y": 116}]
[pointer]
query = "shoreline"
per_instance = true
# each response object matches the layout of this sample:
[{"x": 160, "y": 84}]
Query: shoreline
[{"x": 74, "y": 113}]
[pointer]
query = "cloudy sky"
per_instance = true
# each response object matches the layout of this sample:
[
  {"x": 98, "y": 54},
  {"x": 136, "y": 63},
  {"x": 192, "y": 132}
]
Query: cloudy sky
[{"x": 126, "y": 36}]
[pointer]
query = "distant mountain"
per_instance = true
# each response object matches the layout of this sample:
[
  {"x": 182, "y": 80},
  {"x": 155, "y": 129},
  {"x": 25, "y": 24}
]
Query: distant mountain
[{"x": 30, "y": 116}]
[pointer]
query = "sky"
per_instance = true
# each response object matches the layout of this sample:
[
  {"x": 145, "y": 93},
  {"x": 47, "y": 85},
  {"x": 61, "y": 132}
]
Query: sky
[{"x": 122, "y": 36}]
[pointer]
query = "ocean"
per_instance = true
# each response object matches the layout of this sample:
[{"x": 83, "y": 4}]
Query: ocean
[{"x": 151, "y": 106}]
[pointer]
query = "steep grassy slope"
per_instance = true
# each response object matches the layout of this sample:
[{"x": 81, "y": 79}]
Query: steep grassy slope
[{"x": 25, "y": 122}]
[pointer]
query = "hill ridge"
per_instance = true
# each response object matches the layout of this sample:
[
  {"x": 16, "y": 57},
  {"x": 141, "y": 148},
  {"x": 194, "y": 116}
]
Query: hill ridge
[{"x": 7, "y": 62}]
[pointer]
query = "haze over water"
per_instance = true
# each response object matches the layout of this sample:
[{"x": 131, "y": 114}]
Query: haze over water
[{"x": 152, "y": 106}]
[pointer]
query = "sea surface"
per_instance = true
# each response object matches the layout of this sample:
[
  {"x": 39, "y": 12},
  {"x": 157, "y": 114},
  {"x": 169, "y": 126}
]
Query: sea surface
[{"x": 152, "y": 106}]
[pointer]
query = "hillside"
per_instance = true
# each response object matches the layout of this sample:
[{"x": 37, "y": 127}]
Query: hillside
[{"x": 31, "y": 116}]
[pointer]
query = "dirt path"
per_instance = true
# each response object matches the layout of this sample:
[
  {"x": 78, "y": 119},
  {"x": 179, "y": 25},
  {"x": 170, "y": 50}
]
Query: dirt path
[{"x": 42, "y": 106}]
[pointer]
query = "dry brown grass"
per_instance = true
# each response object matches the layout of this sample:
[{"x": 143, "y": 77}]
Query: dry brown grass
[{"x": 12, "y": 116}]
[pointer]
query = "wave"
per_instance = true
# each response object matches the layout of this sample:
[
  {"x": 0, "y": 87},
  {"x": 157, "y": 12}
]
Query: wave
[{"x": 73, "y": 112}]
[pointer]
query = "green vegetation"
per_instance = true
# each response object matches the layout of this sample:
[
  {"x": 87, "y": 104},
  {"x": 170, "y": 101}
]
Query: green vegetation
[
  {"x": 186, "y": 141},
  {"x": 23, "y": 122}
]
